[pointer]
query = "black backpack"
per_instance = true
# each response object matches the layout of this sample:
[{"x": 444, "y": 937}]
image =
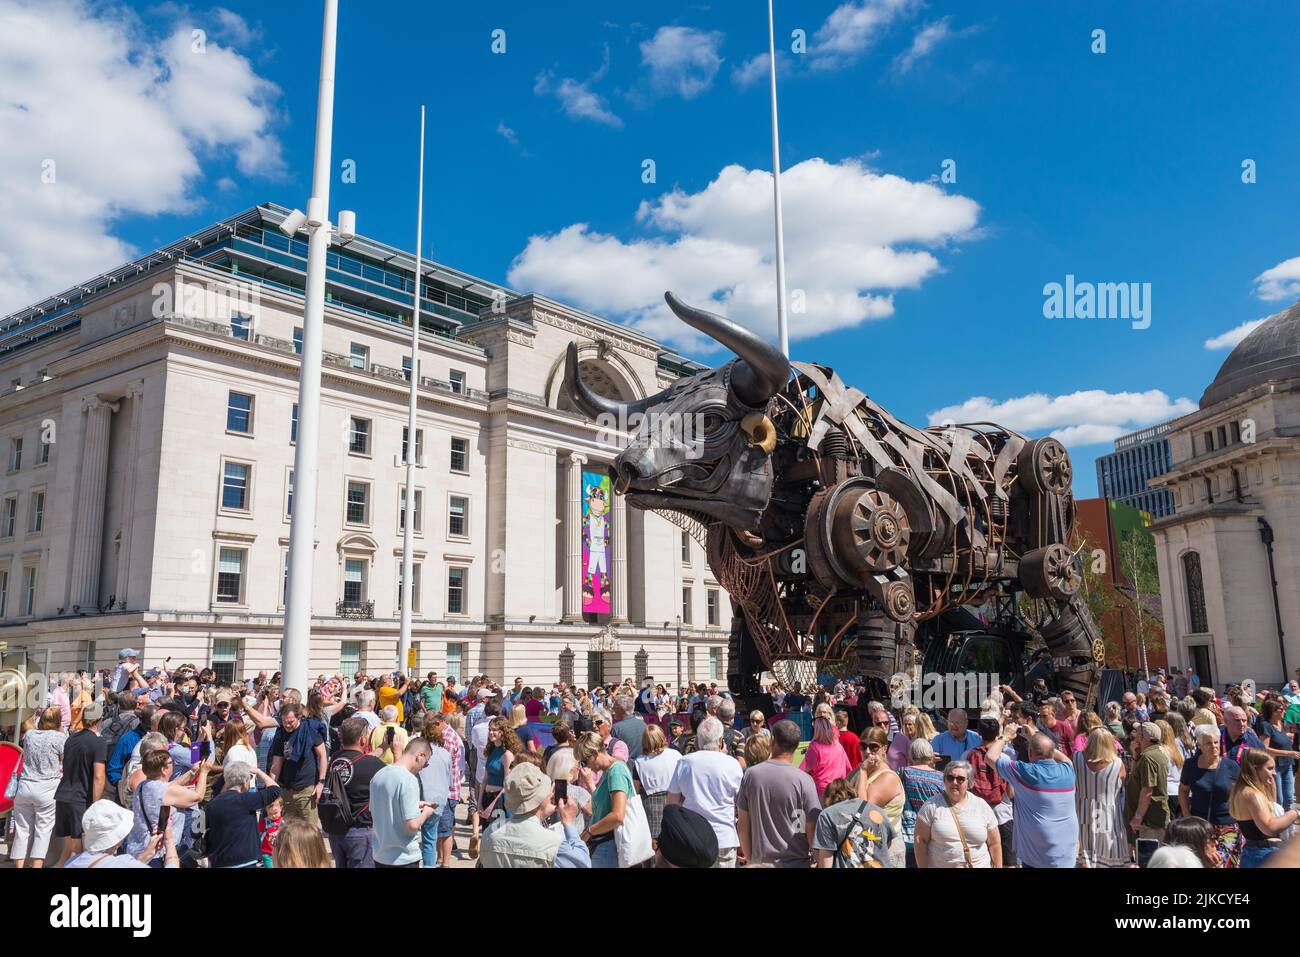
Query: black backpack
[
  {"x": 118, "y": 725},
  {"x": 336, "y": 812}
]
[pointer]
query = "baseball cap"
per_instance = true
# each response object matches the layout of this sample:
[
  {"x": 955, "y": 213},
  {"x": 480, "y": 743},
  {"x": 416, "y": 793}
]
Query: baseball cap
[
  {"x": 485, "y": 693},
  {"x": 93, "y": 711},
  {"x": 127, "y": 653}
]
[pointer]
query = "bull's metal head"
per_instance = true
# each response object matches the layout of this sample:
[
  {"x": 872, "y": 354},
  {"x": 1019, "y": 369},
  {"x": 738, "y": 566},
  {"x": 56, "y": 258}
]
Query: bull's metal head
[{"x": 702, "y": 446}]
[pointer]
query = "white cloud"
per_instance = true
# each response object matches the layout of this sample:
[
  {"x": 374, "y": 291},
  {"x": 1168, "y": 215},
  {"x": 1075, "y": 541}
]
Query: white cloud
[
  {"x": 1081, "y": 418},
  {"x": 853, "y": 236},
  {"x": 927, "y": 39},
  {"x": 125, "y": 118},
  {"x": 1226, "y": 340},
  {"x": 234, "y": 27},
  {"x": 750, "y": 72},
  {"x": 507, "y": 133},
  {"x": 853, "y": 27},
  {"x": 682, "y": 60},
  {"x": 1280, "y": 282},
  {"x": 577, "y": 99}
]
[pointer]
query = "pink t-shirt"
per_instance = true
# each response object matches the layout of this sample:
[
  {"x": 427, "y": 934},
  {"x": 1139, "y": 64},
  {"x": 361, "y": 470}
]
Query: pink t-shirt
[
  {"x": 825, "y": 762},
  {"x": 533, "y": 709}
]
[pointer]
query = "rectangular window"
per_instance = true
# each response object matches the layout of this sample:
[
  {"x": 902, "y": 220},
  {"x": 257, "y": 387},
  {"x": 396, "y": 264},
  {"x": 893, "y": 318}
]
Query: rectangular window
[
  {"x": 297, "y": 340},
  {"x": 419, "y": 443},
  {"x": 360, "y": 356},
  {"x": 284, "y": 582},
  {"x": 457, "y": 380},
  {"x": 350, "y": 658},
  {"x": 686, "y": 547},
  {"x": 354, "y": 582},
  {"x": 29, "y": 590},
  {"x": 713, "y": 664},
  {"x": 225, "y": 655},
  {"x": 4, "y": 592},
  {"x": 288, "y": 496},
  {"x": 358, "y": 510},
  {"x": 234, "y": 486},
  {"x": 406, "y": 368},
  {"x": 90, "y": 655},
  {"x": 239, "y": 413},
  {"x": 9, "y": 517},
  {"x": 456, "y": 660},
  {"x": 359, "y": 436},
  {"x": 686, "y": 605},
  {"x": 293, "y": 425},
  {"x": 36, "y": 520},
  {"x": 1209, "y": 441},
  {"x": 418, "y": 518},
  {"x": 460, "y": 455},
  {"x": 712, "y": 596},
  {"x": 241, "y": 326},
  {"x": 15, "y": 453},
  {"x": 1236, "y": 431},
  {"x": 1223, "y": 436},
  {"x": 455, "y": 591},
  {"x": 230, "y": 576},
  {"x": 457, "y": 516},
  {"x": 43, "y": 453},
  {"x": 415, "y": 588}
]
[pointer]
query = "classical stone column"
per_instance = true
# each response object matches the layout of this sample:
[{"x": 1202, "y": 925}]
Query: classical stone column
[
  {"x": 573, "y": 536},
  {"x": 88, "y": 542},
  {"x": 619, "y": 603},
  {"x": 135, "y": 392}
]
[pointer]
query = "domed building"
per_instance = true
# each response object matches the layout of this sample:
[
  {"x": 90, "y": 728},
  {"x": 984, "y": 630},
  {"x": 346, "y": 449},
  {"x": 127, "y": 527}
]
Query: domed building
[{"x": 1229, "y": 556}]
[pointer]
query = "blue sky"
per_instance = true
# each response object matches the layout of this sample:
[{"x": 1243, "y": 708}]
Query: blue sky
[{"x": 1122, "y": 166}]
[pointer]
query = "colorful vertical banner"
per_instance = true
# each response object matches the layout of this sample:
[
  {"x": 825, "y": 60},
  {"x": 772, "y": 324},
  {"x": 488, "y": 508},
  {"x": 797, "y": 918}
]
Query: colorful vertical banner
[{"x": 597, "y": 504}]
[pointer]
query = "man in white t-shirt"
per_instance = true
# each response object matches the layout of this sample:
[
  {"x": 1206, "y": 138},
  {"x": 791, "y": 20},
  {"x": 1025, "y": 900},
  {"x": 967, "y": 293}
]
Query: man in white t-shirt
[{"x": 707, "y": 782}]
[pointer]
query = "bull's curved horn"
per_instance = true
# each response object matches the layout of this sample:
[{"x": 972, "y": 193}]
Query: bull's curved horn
[
  {"x": 762, "y": 369},
  {"x": 591, "y": 404}
]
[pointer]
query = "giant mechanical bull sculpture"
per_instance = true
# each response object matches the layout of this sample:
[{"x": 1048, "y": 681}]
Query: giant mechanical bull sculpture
[{"x": 843, "y": 535}]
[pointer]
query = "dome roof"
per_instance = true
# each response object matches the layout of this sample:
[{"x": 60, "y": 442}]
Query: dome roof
[{"x": 1270, "y": 352}]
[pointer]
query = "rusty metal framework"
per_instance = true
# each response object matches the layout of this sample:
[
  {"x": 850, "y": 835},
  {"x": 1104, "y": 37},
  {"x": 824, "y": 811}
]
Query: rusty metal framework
[{"x": 843, "y": 535}]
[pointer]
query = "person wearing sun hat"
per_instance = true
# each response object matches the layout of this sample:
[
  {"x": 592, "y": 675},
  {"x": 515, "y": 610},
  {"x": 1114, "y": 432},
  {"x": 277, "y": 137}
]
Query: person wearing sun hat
[
  {"x": 104, "y": 827},
  {"x": 523, "y": 841}
]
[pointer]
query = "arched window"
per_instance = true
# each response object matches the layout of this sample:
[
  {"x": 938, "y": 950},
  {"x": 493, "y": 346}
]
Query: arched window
[{"x": 1195, "y": 593}]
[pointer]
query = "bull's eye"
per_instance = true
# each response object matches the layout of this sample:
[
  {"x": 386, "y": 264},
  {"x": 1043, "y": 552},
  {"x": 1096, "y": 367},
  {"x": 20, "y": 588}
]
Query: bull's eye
[{"x": 712, "y": 423}]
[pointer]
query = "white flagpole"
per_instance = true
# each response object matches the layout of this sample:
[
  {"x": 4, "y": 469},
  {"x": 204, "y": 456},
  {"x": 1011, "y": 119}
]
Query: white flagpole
[
  {"x": 408, "y": 513},
  {"x": 782, "y": 331}
]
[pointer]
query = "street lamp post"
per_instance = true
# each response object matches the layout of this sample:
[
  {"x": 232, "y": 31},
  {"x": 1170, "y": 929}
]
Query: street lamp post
[
  {"x": 679, "y": 654},
  {"x": 408, "y": 492},
  {"x": 296, "y": 644}
]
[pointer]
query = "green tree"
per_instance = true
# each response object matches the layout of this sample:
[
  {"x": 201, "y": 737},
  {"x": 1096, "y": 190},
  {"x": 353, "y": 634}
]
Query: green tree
[{"x": 1137, "y": 554}]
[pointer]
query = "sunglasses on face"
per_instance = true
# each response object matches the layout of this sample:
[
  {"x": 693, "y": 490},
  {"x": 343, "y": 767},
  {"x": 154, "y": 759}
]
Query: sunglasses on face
[
  {"x": 873, "y": 748},
  {"x": 954, "y": 779}
]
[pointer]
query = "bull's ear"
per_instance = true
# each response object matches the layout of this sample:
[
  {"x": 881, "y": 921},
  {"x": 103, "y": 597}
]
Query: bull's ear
[{"x": 762, "y": 369}]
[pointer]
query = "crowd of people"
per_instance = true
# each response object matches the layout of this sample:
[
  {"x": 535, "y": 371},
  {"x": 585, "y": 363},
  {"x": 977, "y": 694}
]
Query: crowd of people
[{"x": 168, "y": 767}]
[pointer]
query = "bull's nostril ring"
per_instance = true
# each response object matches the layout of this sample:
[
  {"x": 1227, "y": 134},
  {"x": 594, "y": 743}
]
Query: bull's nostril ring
[{"x": 622, "y": 483}]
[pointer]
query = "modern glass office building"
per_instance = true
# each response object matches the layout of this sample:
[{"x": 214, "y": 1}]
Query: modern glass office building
[{"x": 1122, "y": 475}]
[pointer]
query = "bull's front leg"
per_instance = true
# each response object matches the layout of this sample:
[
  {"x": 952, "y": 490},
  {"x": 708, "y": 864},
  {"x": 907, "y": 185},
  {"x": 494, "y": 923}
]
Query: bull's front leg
[{"x": 1077, "y": 651}]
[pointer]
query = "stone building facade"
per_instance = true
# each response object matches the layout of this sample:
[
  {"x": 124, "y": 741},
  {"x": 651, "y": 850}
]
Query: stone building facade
[
  {"x": 1235, "y": 482},
  {"x": 148, "y": 422}
]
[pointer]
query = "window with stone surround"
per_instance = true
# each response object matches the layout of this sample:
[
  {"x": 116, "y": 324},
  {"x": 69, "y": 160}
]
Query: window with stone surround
[{"x": 1192, "y": 583}]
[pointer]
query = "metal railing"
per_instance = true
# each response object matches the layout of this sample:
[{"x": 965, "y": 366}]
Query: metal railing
[{"x": 355, "y": 609}]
